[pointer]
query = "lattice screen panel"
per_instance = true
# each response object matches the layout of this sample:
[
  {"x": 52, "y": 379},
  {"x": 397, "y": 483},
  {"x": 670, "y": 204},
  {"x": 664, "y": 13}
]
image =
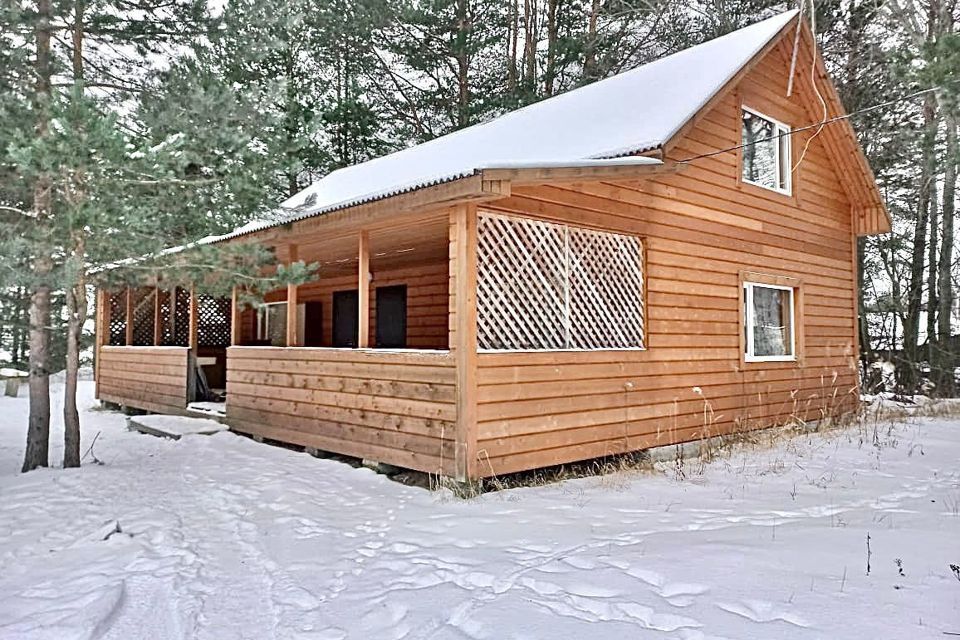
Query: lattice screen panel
[
  {"x": 180, "y": 323},
  {"x": 549, "y": 286},
  {"x": 118, "y": 318},
  {"x": 521, "y": 283},
  {"x": 606, "y": 290},
  {"x": 143, "y": 316},
  {"x": 174, "y": 318},
  {"x": 213, "y": 321}
]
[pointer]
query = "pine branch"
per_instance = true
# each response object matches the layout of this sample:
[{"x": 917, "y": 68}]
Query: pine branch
[{"x": 22, "y": 212}]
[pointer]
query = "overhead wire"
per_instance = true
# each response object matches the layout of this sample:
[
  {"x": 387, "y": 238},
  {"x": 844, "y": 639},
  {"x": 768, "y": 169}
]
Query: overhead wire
[
  {"x": 815, "y": 125},
  {"x": 813, "y": 82}
]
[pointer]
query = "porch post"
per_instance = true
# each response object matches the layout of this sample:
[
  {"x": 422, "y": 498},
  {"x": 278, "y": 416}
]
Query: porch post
[
  {"x": 193, "y": 340},
  {"x": 128, "y": 325},
  {"x": 292, "y": 315},
  {"x": 157, "y": 333},
  {"x": 101, "y": 330},
  {"x": 463, "y": 334},
  {"x": 235, "y": 317},
  {"x": 363, "y": 290}
]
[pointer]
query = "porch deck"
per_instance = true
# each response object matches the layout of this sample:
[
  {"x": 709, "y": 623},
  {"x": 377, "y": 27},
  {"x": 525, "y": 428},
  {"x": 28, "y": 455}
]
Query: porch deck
[{"x": 353, "y": 364}]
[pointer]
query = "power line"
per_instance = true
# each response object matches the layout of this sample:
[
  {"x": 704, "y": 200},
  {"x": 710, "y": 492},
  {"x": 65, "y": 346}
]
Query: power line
[{"x": 814, "y": 125}]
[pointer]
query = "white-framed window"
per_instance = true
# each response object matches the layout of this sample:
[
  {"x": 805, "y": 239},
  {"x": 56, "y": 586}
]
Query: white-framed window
[
  {"x": 770, "y": 335},
  {"x": 272, "y": 323},
  {"x": 766, "y": 156}
]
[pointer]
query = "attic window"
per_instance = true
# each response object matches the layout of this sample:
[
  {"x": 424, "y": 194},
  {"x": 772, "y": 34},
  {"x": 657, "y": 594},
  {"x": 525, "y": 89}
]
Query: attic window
[{"x": 766, "y": 152}]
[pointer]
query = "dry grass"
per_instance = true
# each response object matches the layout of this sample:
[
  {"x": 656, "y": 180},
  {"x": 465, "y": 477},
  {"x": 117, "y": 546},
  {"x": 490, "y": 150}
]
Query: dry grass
[{"x": 827, "y": 413}]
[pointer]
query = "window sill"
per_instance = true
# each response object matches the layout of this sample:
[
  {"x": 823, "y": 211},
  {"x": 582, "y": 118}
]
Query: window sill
[
  {"x": 752, "y": 359},
  {"x": 788, "y": 193},
  {"x": 601, "y": 350}
]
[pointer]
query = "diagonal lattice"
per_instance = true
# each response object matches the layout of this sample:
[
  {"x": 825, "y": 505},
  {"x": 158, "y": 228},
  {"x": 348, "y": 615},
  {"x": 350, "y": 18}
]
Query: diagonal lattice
[
  {"x": 174, "y": 317},
  {"x": 180, "y": 318},
  {"x": 550, "y": 286},
  {"x": 118, "y": 317},
  {"x": 520, "y": 283},
  {"x": 606, "y": 290},
  {"x": 164, "y": 300},
  {"x": 144, "y": 300},
  {"x": 213, "y": 321}
]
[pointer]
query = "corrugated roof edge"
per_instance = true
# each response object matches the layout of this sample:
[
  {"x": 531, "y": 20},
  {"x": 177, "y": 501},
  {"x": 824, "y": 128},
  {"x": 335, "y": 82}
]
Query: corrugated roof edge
[
  {"x": 788, "y": 18},
  {"x": 389, "y": 193},
  {"x": 346, "y": 204},
  {"x": 629, "y": 150},
  {"x": 254, "y": 227}
]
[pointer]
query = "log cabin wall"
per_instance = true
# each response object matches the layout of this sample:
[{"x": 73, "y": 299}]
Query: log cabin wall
[
  {"x": 148, "y": 378},
  {"x": 701, "y": 229},
  {"x": 396, "y": 407},
  {"x": 427, "y": 303}
]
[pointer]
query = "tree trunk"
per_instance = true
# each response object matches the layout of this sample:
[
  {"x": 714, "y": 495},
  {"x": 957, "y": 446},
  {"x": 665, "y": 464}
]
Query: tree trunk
[
  {"x": 463, "y": 64},
  {"x": 932, "y": 288},
  {"x": 77, "y": 310},
  {"x": 38, "y": 427},
  {"x": 20, "y": 324},
  {"x": 550, "y": 73},
  {"x": 290, "y": 126},
  {"x": 946, "y": 383},
  {"x": 590, "y": 54},
  {"x": 907, "y": 371},
  {"x": 76, "y": 295},
  {"x": 512, "y": 32},
  {"x": 530, "y": 38},
  {"x": 77, "y": 57}
]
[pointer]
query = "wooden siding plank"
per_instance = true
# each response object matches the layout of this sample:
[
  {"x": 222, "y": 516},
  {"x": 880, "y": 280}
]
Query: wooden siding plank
[
  {"x": 393, "y": 406},
  {"x": 701, "y": 228}
]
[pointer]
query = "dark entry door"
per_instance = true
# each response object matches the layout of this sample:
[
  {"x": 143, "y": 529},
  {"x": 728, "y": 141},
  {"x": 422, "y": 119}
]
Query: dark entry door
[
  {"x": 392, "y": 317},
  {"x": 345, "y": 318},
  {"x": 313, "y": 324}
]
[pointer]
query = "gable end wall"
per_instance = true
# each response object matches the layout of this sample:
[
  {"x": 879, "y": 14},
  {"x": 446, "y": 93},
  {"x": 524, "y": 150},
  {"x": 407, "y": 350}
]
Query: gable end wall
[{"x": 702, "y": 229}]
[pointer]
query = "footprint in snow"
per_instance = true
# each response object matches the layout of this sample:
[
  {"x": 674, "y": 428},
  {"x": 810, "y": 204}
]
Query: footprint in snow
[
  {"x": 298, "y": 597},
  {"x": 651, "y": 619},
  {"x": 762, "y": 611},
  {"x": 678, "y": 594}
]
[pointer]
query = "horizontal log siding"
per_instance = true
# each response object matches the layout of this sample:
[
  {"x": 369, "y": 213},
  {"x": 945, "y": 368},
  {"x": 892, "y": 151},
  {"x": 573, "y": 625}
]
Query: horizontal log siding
[
  {"x": 395, "y": 407},
  {"x": 147, "y": 378},
  {"x": 426, "y": 303},
  {"x": 701, "y": 228}
]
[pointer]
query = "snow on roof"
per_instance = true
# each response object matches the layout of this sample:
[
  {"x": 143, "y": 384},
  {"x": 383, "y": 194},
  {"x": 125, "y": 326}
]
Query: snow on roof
[
  {"x": 629, "y": 113},
  {"x": 286, "y": 215}
]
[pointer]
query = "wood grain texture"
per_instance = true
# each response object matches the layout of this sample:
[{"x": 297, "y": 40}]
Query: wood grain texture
[
  {"x": 702, "y": 229},
  {"x": 149, "y": 378},
  {"x": 463, "y": 334},
  {"x": 427, "y": 303},
  {"x": 397, "y": 407}
]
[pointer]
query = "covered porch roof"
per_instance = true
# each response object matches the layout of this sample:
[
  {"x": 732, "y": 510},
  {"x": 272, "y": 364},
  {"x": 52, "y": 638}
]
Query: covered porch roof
[{"x": 488, "y": 182}]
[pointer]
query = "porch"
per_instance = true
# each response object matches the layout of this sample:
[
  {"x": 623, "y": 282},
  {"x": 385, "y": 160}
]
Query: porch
[
  {"x": 439, "y": 334},
  {"x": 356, "y": 362}
]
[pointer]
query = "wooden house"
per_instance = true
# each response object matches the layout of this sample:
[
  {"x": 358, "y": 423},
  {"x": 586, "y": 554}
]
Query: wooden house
[{"x": 659, "y": 257}]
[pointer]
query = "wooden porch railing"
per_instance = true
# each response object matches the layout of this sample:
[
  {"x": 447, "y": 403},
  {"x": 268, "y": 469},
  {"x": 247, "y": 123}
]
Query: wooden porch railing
[
  {"x": 397, "y": 407},
  {"x": 149, "y": 378}
]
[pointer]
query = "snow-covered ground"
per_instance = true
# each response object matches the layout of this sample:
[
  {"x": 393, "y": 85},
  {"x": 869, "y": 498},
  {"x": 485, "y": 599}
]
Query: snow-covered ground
[{"x": 222, "y": 537}]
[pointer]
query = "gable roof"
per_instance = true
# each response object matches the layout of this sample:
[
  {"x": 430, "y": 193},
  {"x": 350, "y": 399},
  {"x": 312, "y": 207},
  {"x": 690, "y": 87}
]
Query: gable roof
[
  {"x": 637, "y": 111},
  {"x": 629, "y": 113}
]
